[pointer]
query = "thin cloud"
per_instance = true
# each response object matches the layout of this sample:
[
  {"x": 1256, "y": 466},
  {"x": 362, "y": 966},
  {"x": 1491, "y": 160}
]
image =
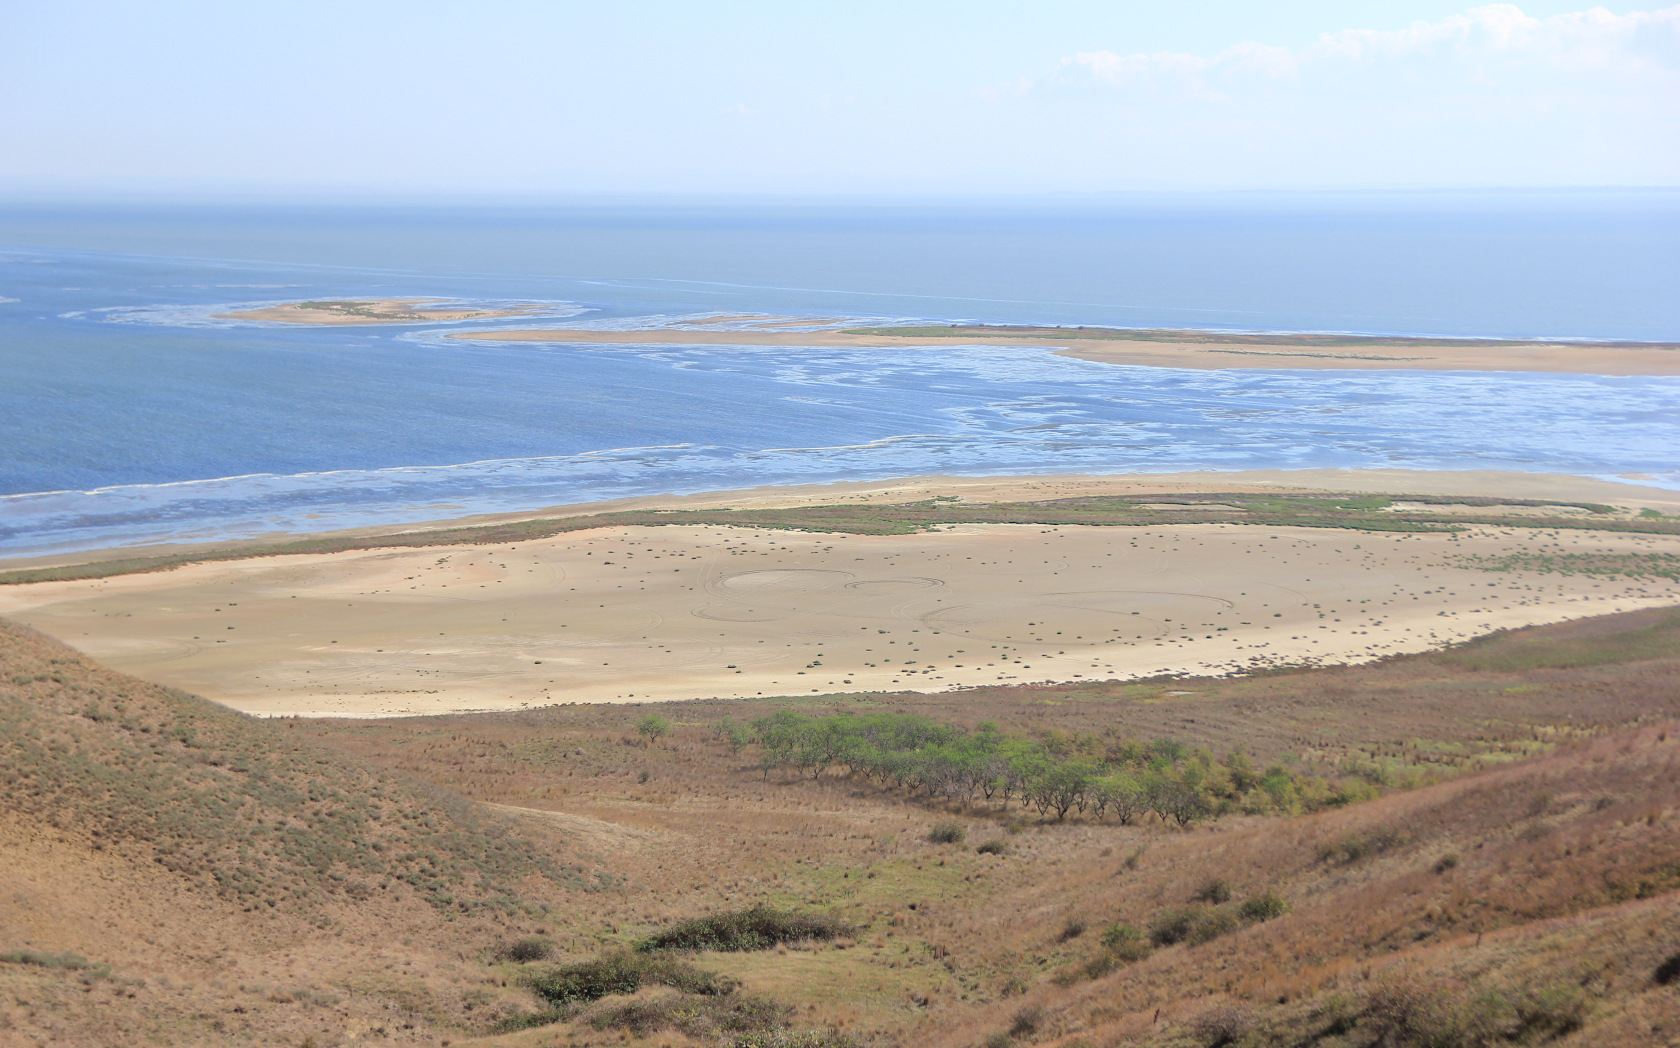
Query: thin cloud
[{"x": 1487, "y": 47}]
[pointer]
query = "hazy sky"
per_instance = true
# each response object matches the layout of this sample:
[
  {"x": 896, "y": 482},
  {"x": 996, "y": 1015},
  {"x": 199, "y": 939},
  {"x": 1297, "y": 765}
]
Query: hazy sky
[{"x": 847, "y": 97}]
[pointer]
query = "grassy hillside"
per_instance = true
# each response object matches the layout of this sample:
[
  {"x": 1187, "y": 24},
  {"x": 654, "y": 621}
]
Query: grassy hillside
[
  {"x": 151, "y": 837},
  {"x": 1508, "y": 871},
  {"x": 1514, "y": 882}
]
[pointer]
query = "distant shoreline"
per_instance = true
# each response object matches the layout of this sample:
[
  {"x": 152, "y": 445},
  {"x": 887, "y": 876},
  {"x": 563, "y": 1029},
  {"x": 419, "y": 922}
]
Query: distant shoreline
[{"x": 1174, "y": 348}]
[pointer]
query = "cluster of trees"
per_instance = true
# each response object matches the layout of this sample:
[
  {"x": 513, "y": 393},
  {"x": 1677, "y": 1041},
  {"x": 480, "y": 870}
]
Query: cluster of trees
[{"x": 1056, "y": 773}]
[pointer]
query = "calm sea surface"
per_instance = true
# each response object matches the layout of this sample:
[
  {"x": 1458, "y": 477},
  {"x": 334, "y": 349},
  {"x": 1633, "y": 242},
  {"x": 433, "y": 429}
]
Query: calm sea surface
[{"x": 128, "y": 413}]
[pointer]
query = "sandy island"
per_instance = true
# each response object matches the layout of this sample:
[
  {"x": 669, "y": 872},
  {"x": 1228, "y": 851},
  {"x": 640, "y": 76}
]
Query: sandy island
[
  {"x": 1178, "y": 349},
  {"x": 630, "y": 614},
  {"x": 374, "y": 311}
]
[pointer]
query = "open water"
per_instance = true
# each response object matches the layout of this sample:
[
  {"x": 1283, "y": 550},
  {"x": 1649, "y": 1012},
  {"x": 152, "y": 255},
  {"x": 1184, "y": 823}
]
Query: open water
[{"x": 129, "y": 414}]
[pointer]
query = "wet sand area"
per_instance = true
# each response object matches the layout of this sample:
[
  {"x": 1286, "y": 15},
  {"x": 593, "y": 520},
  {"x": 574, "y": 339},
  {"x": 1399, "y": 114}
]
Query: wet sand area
[
  {"x": 628, "y": 614},
  {"x": 1179, "y": 349}
]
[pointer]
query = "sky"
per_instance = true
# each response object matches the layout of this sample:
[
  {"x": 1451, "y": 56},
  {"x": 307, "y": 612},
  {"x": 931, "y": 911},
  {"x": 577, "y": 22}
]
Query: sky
[{"x": 517, "y": 98}]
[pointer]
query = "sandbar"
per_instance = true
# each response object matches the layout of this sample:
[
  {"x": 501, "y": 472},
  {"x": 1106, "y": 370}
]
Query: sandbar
[
  {"x": 337, "y": 312},
  {"x": 1177, "y": 349}
]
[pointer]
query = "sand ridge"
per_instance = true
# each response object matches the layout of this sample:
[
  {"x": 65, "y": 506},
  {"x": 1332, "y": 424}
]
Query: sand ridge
[{"x": 651, "y": 613}]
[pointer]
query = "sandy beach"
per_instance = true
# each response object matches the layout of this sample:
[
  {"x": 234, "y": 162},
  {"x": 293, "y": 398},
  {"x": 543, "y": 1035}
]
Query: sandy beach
[
  {"x": 633, "y": 614},
  {"x": 1210, "y": 352}
]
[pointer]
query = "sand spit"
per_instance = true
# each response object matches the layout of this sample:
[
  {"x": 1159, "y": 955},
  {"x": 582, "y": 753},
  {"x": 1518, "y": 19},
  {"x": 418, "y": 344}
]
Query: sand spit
[
  {"x": 1198, "y": 350},
  {"x": 653, "y": 613},
  {"x": 373, "y": 311}
]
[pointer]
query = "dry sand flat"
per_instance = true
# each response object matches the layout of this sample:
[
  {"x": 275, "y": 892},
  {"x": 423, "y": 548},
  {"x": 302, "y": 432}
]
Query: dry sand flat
[{"x": 649, "y": 613}]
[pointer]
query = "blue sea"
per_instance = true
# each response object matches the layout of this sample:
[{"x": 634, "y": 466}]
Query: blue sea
[{"x": 130, "y": 414}]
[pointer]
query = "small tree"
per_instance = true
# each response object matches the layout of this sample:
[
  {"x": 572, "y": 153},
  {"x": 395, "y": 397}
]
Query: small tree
[{"x": 652, "y": 727}]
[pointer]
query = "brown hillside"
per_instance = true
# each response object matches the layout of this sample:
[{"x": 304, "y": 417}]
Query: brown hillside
[
  {"x": 176, "y": 870},
  {"x": 1517, "y": 880}
]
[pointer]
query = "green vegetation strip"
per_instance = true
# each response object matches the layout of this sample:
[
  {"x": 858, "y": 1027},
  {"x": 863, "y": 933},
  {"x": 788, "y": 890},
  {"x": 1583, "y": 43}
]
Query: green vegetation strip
[
  {"x": 1124, "y": 777},
  {"x": 1631, "y": 565},
  {"x": 1364, "y": 513}
]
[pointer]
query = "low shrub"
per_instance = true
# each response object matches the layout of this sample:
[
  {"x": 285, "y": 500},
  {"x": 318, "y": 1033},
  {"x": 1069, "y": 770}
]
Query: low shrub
[
  {"x": 1073, "y": 929},
  {"x": 1446, "y": 862},
  {"x": 999, "y": 1040},
  {"x": 1216, "y": 891},
  {"x": 1223, "y": 1024},
  {"x": 701, "y": 1018},
  {"x": 531, "y": 1020},
  {"x": 1172, "y": 925},
  {"x": 758, "y": 928},
  {"x": 947, "y": 833},
  {"x": 797, "y": 1039},
  {"x": 994, "y": 847},
  {"x": 1357, "y": 846},
  {"x": 1668, "y": 972},
  {"x": 1027, "y": 1021},
  {"x": 72, "y": 961},
  {"x": 1126, "y": 942},
  {"x": 1551, "y": 1011},
  {"x": 526, "y": 950},
  {"x": 1211, "y": 924},
  {"x": 625, "y": 973},
  {"x": 1263, "y": 907}
]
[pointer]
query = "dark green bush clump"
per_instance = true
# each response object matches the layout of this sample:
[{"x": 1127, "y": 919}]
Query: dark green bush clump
[
  {"x": 625, "y": 973},
  {"x": 1668, "y": 972},
  {"x": 994, "y": 848},
  {"x": 525, "y": 950},
  {"x": 701, "y": 1019},
  {"x": 759, "y": 928},
  {"x": 947, "y": 833}
]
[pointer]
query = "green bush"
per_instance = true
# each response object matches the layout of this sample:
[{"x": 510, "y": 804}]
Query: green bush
[
  {"x": 625, "y": 973},
  {"x": 1263, "y": 907},
  {"x": 758, "y": 928},
  {"x": 947, "y": 833},
  {"x": 994, "y": 847},
  {"x": 1211, "y": 924},
  {"x": 1126, "y": 942},
  {"x": 1172, "y": 925}
]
